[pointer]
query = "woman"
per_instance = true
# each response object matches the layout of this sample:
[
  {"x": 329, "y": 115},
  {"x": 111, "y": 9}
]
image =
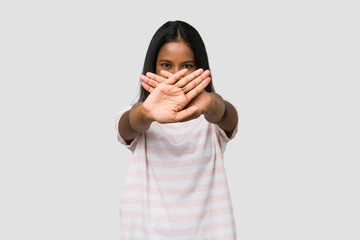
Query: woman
[{"x": 176, "y": 186}]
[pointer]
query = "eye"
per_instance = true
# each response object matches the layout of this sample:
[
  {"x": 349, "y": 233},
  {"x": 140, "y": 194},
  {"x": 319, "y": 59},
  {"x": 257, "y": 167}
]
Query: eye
[
  {"x": 187, "y": 66},
  {"x": 167, "y": 65}
]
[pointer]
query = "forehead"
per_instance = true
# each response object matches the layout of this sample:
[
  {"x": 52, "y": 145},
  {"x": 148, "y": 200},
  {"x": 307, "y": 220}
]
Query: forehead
[{"x": 175, "y": 50}]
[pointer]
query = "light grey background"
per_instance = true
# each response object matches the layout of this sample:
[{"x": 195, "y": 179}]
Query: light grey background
[{"x": 291, "y": 68}]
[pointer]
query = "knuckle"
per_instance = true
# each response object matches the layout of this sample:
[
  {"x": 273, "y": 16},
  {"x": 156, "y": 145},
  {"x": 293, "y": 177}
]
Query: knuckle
[{"x": 193, "y": 84}]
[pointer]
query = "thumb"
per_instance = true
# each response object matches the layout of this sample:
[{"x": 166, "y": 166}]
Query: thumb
[
  {"x": 185, "y": 113},
  {"x": 166, "y": 73}
]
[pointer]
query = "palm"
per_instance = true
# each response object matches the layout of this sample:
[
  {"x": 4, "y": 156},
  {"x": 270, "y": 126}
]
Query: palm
[
  {"x": 202, "y": 102},
  {"x": 165, "y": 103},
  {"x": 169, "y": 98}
]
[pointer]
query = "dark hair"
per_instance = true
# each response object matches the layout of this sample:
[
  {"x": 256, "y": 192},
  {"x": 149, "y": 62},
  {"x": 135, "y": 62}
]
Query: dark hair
[{"x": 173, "y": 31}]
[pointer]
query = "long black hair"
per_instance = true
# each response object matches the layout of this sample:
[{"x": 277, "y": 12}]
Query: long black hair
[{"x": 174, "y": 31}]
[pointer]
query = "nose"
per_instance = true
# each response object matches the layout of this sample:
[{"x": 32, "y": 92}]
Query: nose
[{"x": 175, "y": 69}]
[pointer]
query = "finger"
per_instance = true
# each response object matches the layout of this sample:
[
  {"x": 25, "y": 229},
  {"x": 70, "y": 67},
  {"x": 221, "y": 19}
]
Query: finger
[
  {"x": 192, "y": 84},
  {"x": 166, "y": 73},
  {"x": 193, "y": 116},
  {"x": 182, "y": 82},
  {"x": 198, "y": 89},
  {"x": 155, "y": 77},
  {"x": 149, "y": 81},
  {"x": 185, "y": 113},
  {"x": 176, "y": 77},
  {"x": 147, "y": 87}
]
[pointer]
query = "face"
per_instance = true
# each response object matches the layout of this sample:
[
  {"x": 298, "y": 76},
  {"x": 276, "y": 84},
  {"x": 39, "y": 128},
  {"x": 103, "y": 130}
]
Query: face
[{"x": 175, "y": 56}]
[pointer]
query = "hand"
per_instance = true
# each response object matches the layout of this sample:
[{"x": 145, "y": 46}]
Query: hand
[
  {"x": 201, "y": 101},
  {"x": 169, "y": 97}
]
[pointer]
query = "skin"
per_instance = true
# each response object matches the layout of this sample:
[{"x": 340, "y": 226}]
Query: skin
[{"x": 176, "y": 94}]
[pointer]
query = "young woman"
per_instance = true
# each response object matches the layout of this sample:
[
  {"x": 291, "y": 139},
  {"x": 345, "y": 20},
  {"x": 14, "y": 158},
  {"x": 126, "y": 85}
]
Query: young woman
[{"x": 176, "y": 186}]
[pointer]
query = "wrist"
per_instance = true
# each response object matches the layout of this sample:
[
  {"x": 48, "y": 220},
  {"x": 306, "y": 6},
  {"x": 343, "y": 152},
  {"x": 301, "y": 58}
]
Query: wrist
[
  {"x": 216, "y": 108},
  {"x": 139, "y": 119},
  {"x": 145, "y": 114}
]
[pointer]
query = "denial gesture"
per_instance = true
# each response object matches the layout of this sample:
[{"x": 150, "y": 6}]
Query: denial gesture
[{"x": 169, "y": 97}]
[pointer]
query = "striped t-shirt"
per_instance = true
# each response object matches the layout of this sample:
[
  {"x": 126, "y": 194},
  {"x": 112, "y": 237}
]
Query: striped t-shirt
[{"x": 176, "y": 187}]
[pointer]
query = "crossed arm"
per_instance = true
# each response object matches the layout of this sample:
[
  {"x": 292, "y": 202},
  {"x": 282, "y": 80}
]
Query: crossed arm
[{"x": 175, "y": 98}]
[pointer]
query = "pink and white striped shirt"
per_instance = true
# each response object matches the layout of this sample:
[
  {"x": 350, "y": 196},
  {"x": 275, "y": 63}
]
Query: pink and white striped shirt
[{"x": 176, "y": 187}]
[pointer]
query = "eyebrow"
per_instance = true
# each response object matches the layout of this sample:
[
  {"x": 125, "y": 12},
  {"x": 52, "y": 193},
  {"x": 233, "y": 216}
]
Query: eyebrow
[{"x": 165, "y": 60}]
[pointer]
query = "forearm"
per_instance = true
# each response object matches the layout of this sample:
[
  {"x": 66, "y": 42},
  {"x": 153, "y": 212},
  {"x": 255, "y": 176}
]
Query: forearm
[
  {"x": 133, "y": 122},
  {"x": 222, "y": 113}
]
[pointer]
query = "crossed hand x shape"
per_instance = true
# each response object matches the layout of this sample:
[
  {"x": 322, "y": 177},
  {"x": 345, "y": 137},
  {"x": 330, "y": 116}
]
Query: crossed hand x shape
[{"x": 175, "y": 98}]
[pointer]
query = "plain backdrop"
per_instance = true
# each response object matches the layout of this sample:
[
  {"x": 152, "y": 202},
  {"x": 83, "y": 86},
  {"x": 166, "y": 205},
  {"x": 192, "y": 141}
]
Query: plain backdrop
[{"x": 291, "y": 68}]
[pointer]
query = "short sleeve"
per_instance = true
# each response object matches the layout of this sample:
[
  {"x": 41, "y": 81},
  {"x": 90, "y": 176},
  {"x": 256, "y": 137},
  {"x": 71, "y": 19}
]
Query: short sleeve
[
  {"x": 224, "y": 137},
  {"x": 132, "y": 145},
  {"x": 222, "y": 134}
]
